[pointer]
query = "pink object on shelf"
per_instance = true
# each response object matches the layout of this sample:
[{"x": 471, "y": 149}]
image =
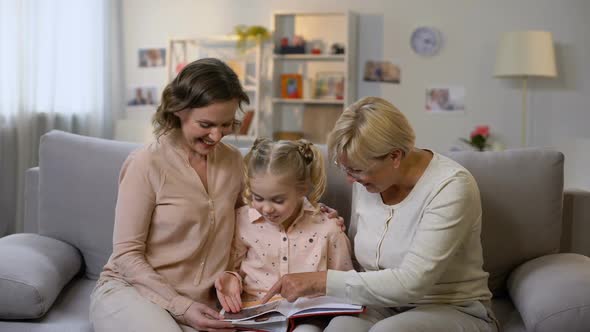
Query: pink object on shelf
[
  {"x": 179, "y": 67},
  {"x": 298, "y": 41}
]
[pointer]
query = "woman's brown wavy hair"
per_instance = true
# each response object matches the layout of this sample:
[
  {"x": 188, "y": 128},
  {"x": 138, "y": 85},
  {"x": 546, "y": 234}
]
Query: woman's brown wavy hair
[{"x": 199, "y": 84}]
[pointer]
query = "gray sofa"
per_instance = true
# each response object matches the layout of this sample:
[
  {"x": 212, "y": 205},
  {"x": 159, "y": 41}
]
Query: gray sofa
[{"x": 70, "y": 201}]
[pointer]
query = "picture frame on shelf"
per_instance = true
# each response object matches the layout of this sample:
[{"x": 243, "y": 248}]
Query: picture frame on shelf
[
  {"x": 329, "y": 85},
  {"x": 291, "y": 86}
]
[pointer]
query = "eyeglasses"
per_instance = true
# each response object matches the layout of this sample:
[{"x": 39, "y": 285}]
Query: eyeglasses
[{"x": 355, "y": 173}]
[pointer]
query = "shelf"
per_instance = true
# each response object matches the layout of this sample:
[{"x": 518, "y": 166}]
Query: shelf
[
  {"x": 308, "y": 101},
  {"x": 318, "y": 57},
  {"x": 249, "y": 88}
]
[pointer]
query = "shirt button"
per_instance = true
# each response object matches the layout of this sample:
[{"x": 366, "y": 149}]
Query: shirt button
[
  {"x": 285, "y": 238},
  {"x": 284, "y": 258}
]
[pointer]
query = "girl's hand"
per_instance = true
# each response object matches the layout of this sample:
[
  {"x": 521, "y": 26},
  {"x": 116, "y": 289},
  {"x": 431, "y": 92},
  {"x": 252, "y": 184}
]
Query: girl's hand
[
  {"x": 295, "y": 285},
  {"x": 334, "y": 215},
  {"x": 202, "y": 318},
  {"x": 229, "y": 292}
]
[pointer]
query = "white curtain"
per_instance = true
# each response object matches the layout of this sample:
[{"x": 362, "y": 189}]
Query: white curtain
[{"x": 55, "y": 62}]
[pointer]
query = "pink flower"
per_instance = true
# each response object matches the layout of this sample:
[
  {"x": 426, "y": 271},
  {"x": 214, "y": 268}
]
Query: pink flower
[
  {"x": 483, "y": 131},
  {"x": 478, "y": 137}
]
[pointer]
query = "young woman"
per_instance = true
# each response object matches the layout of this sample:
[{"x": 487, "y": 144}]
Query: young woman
[{"x": 175, "y": 211}]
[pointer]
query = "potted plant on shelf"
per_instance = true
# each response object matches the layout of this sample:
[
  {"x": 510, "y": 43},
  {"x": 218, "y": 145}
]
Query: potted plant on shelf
[{"x": 255, "y": 33}]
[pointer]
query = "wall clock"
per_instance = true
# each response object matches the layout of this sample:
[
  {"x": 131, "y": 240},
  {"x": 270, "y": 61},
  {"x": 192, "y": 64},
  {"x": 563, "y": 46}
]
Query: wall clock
[{"x": 426, "y": 41}]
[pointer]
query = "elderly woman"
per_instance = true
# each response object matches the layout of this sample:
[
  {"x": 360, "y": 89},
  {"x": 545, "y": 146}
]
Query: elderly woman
[{"x": 416, "y": 225}]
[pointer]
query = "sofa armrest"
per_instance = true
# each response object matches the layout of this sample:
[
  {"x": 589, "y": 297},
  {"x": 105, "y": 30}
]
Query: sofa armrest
[
  {"x": 552, "y": 293},
  {"x": 33, "y": 271},
  {"x": 31, "y": 213},
  {"x": 575, "y": 235}
]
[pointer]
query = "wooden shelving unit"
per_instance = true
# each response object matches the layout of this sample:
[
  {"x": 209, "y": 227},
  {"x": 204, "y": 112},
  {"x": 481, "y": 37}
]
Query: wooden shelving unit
[{"x": 313, "y": 115}]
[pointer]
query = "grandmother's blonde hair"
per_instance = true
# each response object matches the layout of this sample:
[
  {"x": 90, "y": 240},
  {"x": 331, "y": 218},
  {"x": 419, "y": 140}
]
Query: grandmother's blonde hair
[
  {"x": 299, "y": 159},
  {"x": 371, "y": 128}
]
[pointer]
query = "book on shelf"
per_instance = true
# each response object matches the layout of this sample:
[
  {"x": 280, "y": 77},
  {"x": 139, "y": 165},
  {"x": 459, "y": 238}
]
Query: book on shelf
[{"x": 280, "y": 315}]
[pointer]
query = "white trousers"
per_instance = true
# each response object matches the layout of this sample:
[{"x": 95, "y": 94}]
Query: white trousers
[
  {"x": 467, "y": 317},
  {"x": 117, "y": 306}
]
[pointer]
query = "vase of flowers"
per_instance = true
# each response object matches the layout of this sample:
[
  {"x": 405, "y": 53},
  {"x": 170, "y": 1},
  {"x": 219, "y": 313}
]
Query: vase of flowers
[{"x": 479, "y": 138}]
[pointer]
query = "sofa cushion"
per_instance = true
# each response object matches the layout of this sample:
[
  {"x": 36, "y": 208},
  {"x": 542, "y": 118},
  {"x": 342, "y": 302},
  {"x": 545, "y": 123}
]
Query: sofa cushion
[
  {"x": 521, "y": 194},
  {"x": 33, "y": 271},
  {"x": 507, "y": 315},
  {"x": 78, "y": 191},
  {"x": 552, "y": 293},
  {"x": 69, "y": 313}
]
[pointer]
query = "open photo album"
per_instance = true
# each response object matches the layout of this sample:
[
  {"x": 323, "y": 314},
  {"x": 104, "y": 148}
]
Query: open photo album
[{"x": 280, "y": 314}]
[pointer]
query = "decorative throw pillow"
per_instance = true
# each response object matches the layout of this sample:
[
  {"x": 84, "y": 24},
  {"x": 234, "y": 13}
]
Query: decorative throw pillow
[
  {"x": 552, "y": 293},
  {"x": 33, "y": 271}
]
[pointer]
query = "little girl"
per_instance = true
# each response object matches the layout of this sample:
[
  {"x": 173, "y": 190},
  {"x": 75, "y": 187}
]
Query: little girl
[{"x": 281, "y": 230}]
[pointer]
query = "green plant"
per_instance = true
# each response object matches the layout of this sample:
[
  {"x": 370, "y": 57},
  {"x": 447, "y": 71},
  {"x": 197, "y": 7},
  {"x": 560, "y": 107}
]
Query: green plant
[{"x": 247, "y": 33}]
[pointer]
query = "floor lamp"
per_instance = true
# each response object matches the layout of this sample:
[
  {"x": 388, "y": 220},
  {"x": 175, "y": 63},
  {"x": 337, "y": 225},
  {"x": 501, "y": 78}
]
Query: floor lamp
[{"x": 524, "y": 54}]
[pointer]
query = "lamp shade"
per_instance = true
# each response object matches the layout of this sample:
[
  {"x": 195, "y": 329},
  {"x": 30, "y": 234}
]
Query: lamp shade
[{"x": 526, "y": 53}]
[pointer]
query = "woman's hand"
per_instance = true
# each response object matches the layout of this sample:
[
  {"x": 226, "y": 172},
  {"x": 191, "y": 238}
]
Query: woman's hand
[
  {"x": 333, "y": 214},
  {"x": 229, "y": 292},
  {"x": 202, "y": 318},
  {"x": 295, "y": 285}
]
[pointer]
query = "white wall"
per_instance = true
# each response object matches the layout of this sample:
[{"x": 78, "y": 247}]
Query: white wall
[{"x": 559, "y": 113}]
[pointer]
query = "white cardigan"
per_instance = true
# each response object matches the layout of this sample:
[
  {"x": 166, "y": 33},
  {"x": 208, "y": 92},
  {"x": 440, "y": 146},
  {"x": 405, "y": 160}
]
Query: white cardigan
[{"x": 425, "y": 249}]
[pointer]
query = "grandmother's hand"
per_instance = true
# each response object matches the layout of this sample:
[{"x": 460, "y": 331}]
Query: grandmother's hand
[
  {"x": 295, "y": 285},
  {"x": 334, "y": 215}
]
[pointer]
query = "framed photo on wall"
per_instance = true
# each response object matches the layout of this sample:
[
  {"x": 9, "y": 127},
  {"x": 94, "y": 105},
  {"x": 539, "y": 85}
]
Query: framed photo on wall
[
  {"x": 445, "y": 100},
  {"x": 142, "y": 95},
  {"x": 382, "y": 71},
  {"x": 329, "y": 85},
  {"x": 151, "y": 57}
]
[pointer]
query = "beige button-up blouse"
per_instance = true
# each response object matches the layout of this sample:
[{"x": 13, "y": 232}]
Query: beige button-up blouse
[{"x": 171, "y": 235}]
